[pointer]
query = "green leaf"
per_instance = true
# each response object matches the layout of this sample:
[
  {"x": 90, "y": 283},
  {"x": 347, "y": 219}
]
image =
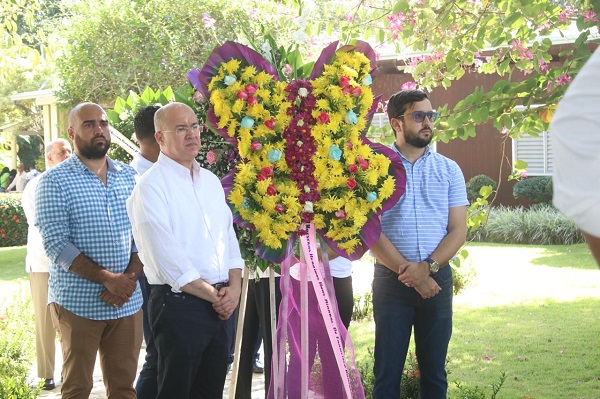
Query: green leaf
[
  {"x": 520, "y": 165},
  {"x": 400, "y": 6}
]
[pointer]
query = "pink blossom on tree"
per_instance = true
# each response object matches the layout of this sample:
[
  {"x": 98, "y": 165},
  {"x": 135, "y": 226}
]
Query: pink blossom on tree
[
  {"x": 589, "y": 16},
  {"x": 209, "y": 23}
]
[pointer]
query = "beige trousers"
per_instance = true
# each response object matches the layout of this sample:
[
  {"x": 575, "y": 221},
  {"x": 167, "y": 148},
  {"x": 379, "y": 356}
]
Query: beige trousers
[
  {"x": 45, "y": 334},
  {"x": 118, "y": 342}
]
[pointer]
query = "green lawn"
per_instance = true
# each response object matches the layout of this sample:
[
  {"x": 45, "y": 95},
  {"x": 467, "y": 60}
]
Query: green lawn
[
  {"x": 531, "y": 313},
  {"x": 12, "y": 272}
]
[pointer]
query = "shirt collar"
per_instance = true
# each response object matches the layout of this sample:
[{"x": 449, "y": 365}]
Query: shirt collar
[
  {"x": 177, "y": 167},
  {"x": 111, "y": 166},
  {"x": 425, "y": 154}
]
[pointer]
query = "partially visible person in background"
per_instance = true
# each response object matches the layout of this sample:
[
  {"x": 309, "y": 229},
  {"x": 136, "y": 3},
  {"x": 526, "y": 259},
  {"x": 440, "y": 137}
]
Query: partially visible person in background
[
  {"x": 37, "y": 265},
  {"x": 11, "y": 177},
  {"x": 32, "y": 172},
  {"x": 575, "y": 138},
  {"x": 20, "y": 179},
  {"x": 257, "y": 326},
  {"x": 143, "y": 125},
  {"x": 4, "y": 179}
]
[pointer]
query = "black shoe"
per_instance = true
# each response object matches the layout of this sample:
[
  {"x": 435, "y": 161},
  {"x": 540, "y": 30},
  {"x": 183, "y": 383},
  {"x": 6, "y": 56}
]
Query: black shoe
[
  {"x": 257, "y": 368},
  {"x": 49, "y": 384}
]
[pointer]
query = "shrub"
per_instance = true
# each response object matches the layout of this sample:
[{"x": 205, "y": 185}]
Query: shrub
[
  {"x": 475, "y": 184},
  {"x": 465, "y": 392},
  {"x": 409, "y": 387},
  {"x": 462, "y": 271},
  {"x": 535, "y": 189},
  {"x": 17, "y": 339},
  {"x": 13, "y": 224},
  {"x": 541, "y": 224}
]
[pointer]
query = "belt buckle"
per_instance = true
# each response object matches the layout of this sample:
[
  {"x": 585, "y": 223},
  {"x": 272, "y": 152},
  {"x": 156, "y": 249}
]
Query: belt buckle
[{"x": 218, "y": 286}]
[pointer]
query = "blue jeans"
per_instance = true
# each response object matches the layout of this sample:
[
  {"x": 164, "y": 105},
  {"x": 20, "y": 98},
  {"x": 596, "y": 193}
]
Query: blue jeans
[
  {"x": 192, "y": 344},
  {"x": 396, "y": 309},
  {"x": 147, "y": 384}
]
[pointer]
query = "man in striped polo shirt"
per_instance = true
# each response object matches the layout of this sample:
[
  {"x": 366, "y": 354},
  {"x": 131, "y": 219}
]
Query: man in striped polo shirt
[{"x": 412, "y": 283}]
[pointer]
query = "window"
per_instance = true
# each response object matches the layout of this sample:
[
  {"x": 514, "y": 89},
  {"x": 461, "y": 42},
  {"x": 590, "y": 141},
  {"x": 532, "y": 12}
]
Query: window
[{"x": 536, "y": 151}]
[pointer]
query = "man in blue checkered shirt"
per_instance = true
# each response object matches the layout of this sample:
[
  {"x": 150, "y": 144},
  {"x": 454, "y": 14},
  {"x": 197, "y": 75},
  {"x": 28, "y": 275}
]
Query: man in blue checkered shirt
[
  {"x": 412, "y": 284},
  {"x": 93, "y": 292}
]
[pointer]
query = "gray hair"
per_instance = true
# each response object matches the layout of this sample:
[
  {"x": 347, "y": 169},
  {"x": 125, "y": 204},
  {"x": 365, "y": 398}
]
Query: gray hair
[{"x": 50, "y": 146}]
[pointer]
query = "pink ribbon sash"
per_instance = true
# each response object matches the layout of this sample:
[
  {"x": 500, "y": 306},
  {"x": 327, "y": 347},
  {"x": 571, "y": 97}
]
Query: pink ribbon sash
[{"x": 315, "y": 353}]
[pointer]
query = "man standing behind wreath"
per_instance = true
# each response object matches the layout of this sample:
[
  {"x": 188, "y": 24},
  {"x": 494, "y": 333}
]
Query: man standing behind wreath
[
  {"x": 93, "y": 293},
  {"x": 184, "y": 230}
]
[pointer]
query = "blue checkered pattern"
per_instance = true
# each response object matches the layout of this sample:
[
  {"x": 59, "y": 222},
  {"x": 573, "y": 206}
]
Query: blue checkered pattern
[
  {"x": 419, "y": 220},
  {"x": 75, "y": 213}
]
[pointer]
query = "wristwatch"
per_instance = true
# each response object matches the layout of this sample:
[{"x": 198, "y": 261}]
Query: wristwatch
[{"x": 433, "y": 266}]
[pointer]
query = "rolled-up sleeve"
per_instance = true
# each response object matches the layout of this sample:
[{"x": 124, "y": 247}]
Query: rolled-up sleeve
[
  {"x": 159, "y": 250},
  {"x": 52, "y": 221}
]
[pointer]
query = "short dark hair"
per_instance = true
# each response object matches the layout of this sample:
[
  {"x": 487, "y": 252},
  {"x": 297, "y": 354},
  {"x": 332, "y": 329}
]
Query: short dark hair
[
  {"x": 143, "y": 122},
  {"x": 400, "y": 101}
]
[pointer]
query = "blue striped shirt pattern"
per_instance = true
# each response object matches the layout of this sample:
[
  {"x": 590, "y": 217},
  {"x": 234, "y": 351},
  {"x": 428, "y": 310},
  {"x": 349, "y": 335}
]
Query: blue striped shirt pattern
[
  {"x": 76, "y": 213},
  {"x": 419, "y": 220}
]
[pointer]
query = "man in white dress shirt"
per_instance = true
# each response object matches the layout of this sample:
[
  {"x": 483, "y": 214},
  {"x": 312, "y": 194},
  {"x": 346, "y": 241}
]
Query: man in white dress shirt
[
  {"x": 575, "y": 135},
  {"x": 37, "y": 265},
  {"x": 183, "y": 229}
]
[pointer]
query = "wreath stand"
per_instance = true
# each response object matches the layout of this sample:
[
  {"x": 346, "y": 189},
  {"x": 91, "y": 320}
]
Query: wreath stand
[{"x": 240, "y": 327}]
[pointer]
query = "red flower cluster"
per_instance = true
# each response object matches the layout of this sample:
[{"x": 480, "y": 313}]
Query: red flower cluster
[
  {"x": 347, "y": 89},
  {"x": 248, "y": 94},
  {"x": 300, "y": 145}
]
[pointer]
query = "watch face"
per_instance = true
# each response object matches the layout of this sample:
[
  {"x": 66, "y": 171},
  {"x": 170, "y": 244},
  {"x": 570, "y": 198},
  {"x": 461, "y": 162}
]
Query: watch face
[{"x": 434, "y": 267}]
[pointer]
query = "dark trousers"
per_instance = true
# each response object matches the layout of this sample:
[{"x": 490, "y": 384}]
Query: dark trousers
[
  {"x": 147, "y": 384},
  {"x": 258, "y": 314},
  {"x": 344, "y": 296},
  {"x": 398, "y": 310},
  {"x": 192, "y": 344}
]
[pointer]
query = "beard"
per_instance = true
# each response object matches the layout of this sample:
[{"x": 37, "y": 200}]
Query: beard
[
  {"x": 417, "y": 141},
  {"x": 92, "y": 150}
]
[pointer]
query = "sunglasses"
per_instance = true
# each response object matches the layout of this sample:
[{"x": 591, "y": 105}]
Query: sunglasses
[{"x": 419, "y": 116}]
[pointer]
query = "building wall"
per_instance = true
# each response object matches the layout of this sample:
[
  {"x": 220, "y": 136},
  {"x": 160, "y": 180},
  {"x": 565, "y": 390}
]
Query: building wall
[{"x": 489, "y": 152}]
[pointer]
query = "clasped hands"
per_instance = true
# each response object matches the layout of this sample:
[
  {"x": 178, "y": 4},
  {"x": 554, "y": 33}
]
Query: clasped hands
[
  {"x": 228, "y": 298},
  {"x": 416, "y": 275},
  {"x": 118, "y": 289}
]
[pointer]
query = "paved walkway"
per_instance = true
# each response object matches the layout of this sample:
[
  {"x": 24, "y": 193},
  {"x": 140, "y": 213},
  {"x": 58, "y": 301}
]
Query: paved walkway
[{"x": 98, "y": 391}]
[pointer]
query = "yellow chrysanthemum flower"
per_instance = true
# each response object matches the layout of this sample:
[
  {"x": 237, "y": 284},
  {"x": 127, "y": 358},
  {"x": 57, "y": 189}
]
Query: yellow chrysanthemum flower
[{"x": 232, "y": 66}]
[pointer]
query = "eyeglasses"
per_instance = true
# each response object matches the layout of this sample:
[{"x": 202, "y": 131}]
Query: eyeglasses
[
  {"x": 419, "y": 116},
  {"x": 179, "y": 130}
]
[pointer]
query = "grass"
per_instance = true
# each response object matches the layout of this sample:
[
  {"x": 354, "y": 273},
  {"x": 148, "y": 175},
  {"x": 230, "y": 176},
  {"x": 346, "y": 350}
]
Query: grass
[
  {"x": 12, "y": 272},
  {"x": 532, "y": 313}
]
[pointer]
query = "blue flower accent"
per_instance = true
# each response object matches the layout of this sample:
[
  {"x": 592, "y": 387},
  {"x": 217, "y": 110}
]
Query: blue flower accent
[
  {"x": 367, "y": 80},
  {"x": 372, "y": 196},
  {"x": 335, "y": 153},
  {"x": 351, "y": 118},
  {"x": 274, "y": 156},
  {"x": 229, "y": 80},
  {"x": 247, "y": 122},
  {"x": 246, "y": 203}
]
